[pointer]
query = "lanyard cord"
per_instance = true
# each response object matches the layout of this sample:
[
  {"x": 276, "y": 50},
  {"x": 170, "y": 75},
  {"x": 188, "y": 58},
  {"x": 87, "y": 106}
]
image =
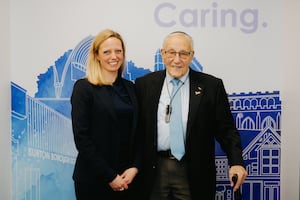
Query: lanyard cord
[
  {"x": 172, "y": 97},
  {"x": 169, "y": 106}
]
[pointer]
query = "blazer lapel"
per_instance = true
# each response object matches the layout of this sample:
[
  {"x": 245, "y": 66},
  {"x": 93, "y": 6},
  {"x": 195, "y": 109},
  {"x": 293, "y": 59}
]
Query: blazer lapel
[
  {"x": 132, "y": 96},
  {"x": 196, "y": 92},
  {"x": 108, "y": 102},
  {"x": 154, "y": 92},
  {"x": 157, "y": 87}
]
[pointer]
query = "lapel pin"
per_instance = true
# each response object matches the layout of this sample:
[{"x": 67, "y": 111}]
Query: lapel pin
[{"x": 199, "y": 91}]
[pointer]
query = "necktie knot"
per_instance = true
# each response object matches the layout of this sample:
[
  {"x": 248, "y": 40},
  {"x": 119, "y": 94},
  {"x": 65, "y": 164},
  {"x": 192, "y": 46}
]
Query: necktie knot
[{"x": 175, "y": 81}]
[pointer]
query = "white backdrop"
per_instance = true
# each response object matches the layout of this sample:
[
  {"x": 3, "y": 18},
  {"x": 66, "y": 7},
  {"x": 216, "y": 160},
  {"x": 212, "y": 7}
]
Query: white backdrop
[
  {"x": 38, "y": 32},
  {"x": 5, "y": 135},
  {"x": 49, "y": 28}
]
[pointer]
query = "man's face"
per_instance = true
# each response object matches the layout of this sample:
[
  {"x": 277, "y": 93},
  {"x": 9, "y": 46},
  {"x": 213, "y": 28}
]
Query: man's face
[{"x": 177, "y": 55}]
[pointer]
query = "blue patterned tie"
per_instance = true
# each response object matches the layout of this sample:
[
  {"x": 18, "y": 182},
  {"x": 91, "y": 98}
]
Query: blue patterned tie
[{"x": 176, "y": 127}]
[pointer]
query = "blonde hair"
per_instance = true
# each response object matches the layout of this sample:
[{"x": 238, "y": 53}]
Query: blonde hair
[{"x": 93, "y": 73}]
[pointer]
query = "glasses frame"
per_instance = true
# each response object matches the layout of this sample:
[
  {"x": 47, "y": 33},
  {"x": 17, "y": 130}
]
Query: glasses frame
[{"x": 182, "y": 54}]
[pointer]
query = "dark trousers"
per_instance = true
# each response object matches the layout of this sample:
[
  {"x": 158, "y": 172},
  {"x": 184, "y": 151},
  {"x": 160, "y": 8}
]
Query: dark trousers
[{"x": 171, "y": 181}]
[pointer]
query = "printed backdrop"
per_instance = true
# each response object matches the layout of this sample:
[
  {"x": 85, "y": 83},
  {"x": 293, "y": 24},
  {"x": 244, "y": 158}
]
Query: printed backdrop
[{"x": 234, "y": 40}]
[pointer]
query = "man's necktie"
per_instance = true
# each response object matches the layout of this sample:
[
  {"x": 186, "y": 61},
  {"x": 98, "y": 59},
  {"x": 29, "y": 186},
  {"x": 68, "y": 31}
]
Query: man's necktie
[{"x": 176, "y": 127}]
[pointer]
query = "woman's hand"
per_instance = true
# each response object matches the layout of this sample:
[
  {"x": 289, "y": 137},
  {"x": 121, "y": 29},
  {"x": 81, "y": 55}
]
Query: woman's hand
[
  {"x": 129, "y": 174},
  {"x": 118, "y": 184}
]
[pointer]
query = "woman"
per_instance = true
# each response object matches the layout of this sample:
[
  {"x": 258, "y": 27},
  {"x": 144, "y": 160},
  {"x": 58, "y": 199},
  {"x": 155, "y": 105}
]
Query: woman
[{"x": 104, "y": 116}]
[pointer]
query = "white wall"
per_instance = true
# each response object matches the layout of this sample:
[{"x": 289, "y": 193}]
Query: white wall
[
  {"x": 5, "y": 139},
  {"x": 290, "y": 134},
  {"x": 290, "y": 93}
]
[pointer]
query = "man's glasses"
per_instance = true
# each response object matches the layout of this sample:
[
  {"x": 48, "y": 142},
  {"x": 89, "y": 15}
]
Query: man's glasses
[{"x": 181, "y": 54}]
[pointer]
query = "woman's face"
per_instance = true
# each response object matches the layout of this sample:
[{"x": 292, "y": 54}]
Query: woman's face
[{"x": 111, "y": 55}]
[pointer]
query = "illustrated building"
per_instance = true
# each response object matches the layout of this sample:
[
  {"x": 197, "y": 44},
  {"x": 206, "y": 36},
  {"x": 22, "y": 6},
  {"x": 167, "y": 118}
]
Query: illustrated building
[{"x": 42, "y": 133}]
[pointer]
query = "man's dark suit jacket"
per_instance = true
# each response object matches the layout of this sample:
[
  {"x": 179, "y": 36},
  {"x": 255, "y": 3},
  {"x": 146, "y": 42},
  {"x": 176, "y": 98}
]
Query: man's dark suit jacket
[
  {"x": 97, "y": 134},
  {"x": 209, "y": 118}
]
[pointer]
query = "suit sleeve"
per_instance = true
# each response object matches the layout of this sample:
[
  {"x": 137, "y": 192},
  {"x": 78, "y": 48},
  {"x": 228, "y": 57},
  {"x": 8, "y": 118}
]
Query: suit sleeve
[{"x": 227, "y": 134}]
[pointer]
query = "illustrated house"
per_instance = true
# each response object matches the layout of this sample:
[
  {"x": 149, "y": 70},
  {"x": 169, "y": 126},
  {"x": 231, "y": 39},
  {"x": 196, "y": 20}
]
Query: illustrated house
[{"x": 257, "y": 117}]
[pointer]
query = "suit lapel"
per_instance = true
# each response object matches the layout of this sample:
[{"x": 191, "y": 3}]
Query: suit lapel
[
  {"x": 158, "y": 86},
  {"x": 197, "y": 90},
  {"x": 155, "y": 91}
]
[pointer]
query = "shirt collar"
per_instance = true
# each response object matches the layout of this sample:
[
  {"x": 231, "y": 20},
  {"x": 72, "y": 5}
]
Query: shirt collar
[{"x": 182, "y": 79}]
